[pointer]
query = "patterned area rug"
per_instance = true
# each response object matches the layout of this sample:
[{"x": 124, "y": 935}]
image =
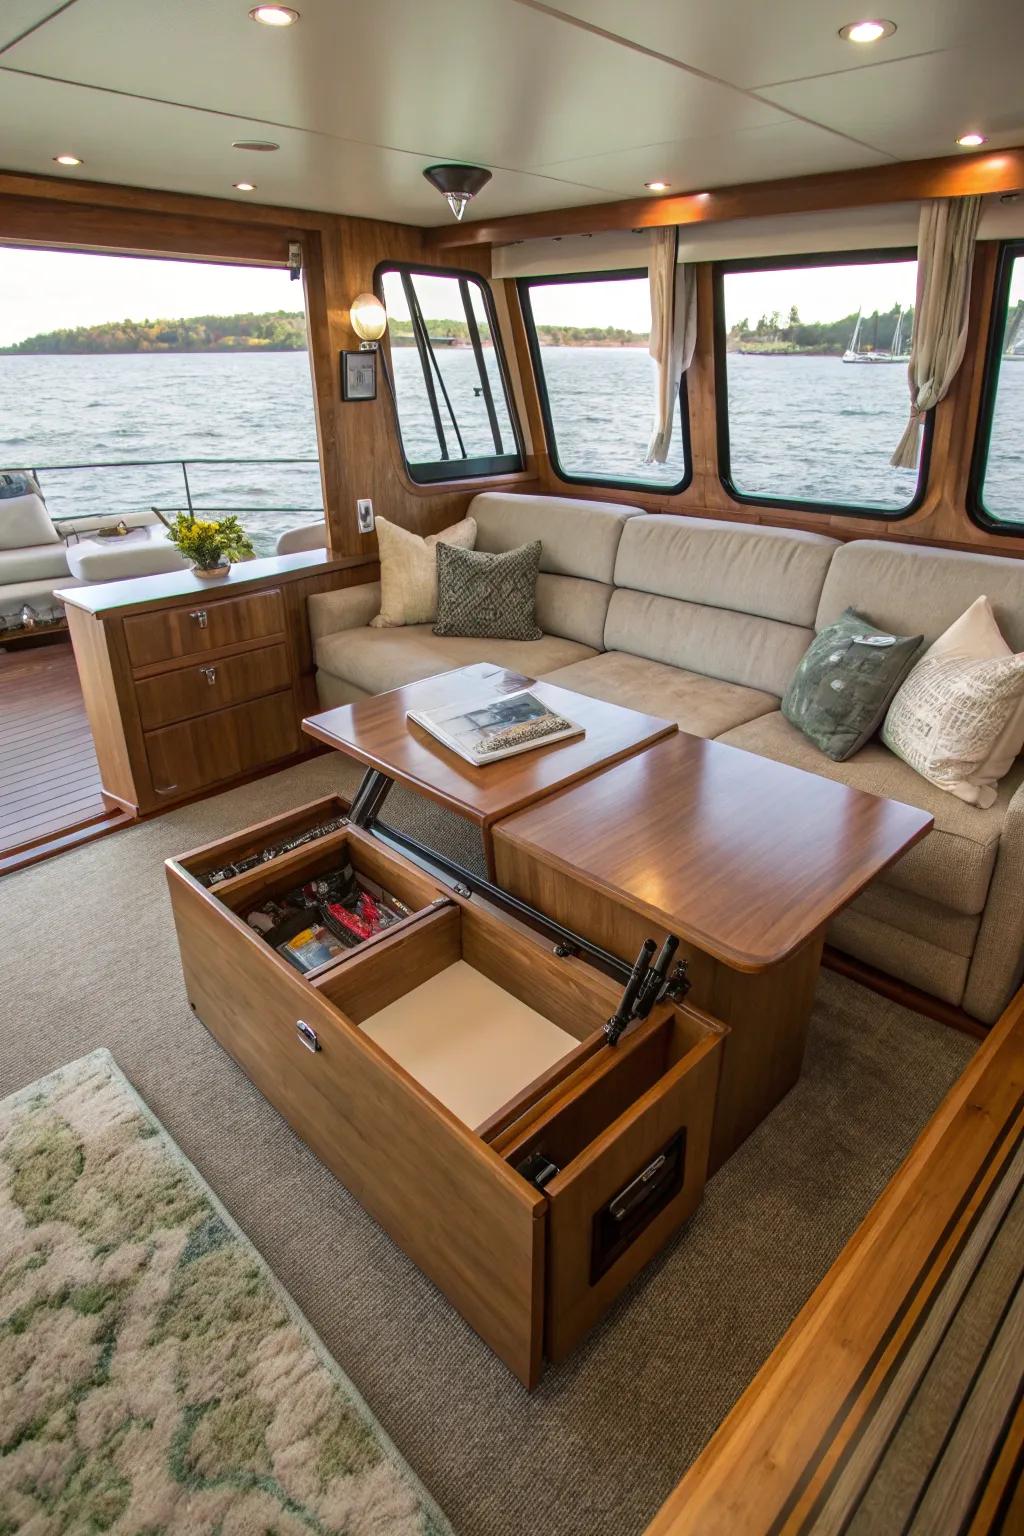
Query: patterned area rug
[{"x": 154, "y": 1377}]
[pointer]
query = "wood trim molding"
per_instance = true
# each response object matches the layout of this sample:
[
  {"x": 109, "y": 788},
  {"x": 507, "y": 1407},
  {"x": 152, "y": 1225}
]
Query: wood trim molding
[
  {"x": 1000, "y": 170},
  {"x": 775, "y": 1453}
]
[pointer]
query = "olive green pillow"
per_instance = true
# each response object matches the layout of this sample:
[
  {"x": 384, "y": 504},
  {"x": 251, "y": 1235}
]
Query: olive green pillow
[
  {"x": 846, "y": 682},
  {"x": 488, "y": 597}
]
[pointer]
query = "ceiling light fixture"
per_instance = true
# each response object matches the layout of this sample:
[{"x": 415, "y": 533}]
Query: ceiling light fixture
[
  {"x": 971, "y": 140},
  {"x": 457, "y": 184},
  {"x": 867, "y": 31},
  {"x": 261, "y": 146},
  {"x": 68, "y": 160},
  {"x": 244, "y": 186},
  {"x": 274, "y": 15},
  {"x": 656, "y": 186}
]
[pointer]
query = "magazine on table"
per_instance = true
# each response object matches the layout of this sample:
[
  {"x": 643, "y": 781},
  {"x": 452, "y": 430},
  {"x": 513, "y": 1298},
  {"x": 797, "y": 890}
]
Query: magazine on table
[{"x": 499, "y": 725}]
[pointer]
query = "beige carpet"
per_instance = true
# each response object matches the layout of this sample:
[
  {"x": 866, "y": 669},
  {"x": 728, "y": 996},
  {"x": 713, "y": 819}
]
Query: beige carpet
[{"x": 89, "y": 959}]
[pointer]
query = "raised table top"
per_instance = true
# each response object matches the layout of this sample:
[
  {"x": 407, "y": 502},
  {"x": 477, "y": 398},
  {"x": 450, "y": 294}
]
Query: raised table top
[
  {"x": 742, "y": 857},
  {"x": 376, "y": 732}
]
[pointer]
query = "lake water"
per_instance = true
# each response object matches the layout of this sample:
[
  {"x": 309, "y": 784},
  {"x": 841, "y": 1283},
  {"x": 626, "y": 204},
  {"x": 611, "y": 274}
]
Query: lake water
[{"x": 804, "y": 427}]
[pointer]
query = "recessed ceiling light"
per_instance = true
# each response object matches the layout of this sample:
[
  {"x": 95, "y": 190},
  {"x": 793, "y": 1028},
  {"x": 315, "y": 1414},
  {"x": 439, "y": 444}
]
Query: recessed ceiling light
[
  {"x": 971, "y": 140},
  {"x": 656, "y": 186},
  {"x": 244, "y": 186},
  {"x": 867, "y": 31},
  {"x": 68, "y": 160},
  {"x": 262, "y": 146},
  {"x": 274, "y": 15}
]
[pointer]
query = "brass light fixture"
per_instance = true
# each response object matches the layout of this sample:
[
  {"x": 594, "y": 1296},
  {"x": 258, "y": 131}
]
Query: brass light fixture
[{"x": 369, "y": 319}]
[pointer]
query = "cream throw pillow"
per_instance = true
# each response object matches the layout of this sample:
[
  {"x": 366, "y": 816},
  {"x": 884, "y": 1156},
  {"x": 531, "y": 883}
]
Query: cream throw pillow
[
  {"x": 958, "y": 719},
  {"x": 408, "y": 571}
]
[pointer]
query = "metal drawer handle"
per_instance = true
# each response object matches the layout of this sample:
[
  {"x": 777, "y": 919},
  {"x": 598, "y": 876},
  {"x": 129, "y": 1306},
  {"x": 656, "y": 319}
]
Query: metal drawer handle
[
  {"x": 307, "y": 1035},
  {"x": 200, "y": 616},
  {"x": 210, "y": 673}
]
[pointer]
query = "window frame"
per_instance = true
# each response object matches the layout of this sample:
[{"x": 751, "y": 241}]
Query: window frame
[
  {"x": 721, "y": 269},
  {"x": 433, "y": 472},
  {"x": 614, "y": 482},
  {"x": 1010, "y": 252}
]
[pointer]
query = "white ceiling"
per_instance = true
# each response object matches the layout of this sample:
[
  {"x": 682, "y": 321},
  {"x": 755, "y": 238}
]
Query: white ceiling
[{"x": 574, "y": 104}]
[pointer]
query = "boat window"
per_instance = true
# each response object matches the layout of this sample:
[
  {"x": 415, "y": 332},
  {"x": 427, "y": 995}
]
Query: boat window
[
  {"x": 997, "y": 480},
  {"x": 450, "y": 388},
  {"x": 588, "y": 337},
  {"x": 813, "y": 397}
]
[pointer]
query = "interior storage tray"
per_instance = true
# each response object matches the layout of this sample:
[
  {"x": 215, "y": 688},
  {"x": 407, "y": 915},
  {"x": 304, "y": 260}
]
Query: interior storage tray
[{"x": 427, "y": 1066}]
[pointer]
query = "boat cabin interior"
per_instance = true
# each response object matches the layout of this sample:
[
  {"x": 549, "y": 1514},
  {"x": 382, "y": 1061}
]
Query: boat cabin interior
[{"x": 512, "y": 815}]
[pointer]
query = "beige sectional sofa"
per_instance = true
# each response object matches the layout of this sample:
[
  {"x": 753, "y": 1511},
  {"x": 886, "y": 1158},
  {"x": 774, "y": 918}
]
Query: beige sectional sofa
[{"x": 704, "y": 622}]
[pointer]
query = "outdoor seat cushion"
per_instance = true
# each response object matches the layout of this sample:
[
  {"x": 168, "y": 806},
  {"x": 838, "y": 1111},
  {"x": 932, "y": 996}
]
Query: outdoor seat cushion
[
  {"x": 703, "y": 706},
  {"x": 953, "y": 864},
  {"x": 33, "y": 562},
  {"x": 378, "y": 659}
]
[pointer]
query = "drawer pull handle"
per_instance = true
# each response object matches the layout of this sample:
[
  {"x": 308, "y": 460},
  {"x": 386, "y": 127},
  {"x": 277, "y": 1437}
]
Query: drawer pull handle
[
  {"x": 210, "y": 673},
  {"x": 307, "y": 1035},
  {"x": 200, "y": 616}
]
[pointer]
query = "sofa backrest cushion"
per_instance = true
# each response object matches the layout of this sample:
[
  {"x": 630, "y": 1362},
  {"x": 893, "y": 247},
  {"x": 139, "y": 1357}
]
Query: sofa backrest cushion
[
  {"x": 775, "y": 573},
  {"x": 25, "y": 522},
  {"x": 728, "y": 600},
  {"x": 579, "y": 541},
  {"x": 912, "y": 589}
]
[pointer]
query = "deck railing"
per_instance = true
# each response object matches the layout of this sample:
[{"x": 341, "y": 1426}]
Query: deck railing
[{"x": 192, "y": 503}]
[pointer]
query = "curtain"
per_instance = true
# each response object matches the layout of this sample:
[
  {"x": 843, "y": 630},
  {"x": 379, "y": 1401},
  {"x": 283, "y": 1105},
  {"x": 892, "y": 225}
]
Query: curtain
[
  {"x": 673, "y": 332},
  {"x": 945, "y": 257}
]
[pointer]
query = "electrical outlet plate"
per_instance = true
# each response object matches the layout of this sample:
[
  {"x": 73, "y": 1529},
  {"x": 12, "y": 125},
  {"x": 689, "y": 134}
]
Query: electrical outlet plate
[{"x": 364, "y": 514}]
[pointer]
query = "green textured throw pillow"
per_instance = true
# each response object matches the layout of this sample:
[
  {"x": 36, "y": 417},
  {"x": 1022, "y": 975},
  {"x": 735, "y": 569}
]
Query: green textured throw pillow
[
  {"x": 846, "y": 682},
  {"x": 488, "y": 597}
]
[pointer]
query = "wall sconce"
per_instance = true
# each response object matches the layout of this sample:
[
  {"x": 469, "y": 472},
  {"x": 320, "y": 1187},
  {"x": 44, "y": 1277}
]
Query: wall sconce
[{"x": 369, "y": 320}]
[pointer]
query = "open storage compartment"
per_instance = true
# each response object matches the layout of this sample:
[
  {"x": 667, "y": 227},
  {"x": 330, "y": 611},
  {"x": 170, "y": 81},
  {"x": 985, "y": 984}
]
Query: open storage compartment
[{"x": 426, "y": 1066}]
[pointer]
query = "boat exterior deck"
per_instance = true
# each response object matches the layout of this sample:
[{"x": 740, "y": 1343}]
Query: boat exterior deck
[{"x": 49, "y": 778}]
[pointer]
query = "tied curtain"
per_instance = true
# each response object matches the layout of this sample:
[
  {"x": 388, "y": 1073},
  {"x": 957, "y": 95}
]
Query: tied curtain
[
  {"x": 673, "y": 332},
  {"x": 945, "y": 259}
]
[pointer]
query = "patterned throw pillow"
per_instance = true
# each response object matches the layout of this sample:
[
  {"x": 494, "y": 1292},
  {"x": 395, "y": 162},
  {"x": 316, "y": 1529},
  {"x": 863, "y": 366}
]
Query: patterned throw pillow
[
  {"x": 408, "y": 571},
  {"x": 958, "y": 720},
  {"x": 845, "y": 683},
  {"x": 488, "y": 597}
]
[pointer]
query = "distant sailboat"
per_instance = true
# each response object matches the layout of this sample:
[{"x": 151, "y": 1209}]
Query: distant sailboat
[{"x": 896, "y": 355}]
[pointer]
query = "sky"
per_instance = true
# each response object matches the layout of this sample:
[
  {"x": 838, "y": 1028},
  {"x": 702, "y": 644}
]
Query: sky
[
  {"x": 55, "y": 290},
  {"x": 52, "y": 290}
]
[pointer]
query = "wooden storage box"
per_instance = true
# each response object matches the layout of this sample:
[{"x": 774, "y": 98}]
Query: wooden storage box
[{"x": 426, "y": 1065}]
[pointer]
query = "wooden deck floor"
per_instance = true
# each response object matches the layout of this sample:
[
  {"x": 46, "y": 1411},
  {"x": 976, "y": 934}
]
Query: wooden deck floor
[{"x": 49, "y": 779}]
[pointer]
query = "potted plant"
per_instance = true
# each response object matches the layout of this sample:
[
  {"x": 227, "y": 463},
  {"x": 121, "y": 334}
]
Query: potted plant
[{"x": 211, "y": 546}]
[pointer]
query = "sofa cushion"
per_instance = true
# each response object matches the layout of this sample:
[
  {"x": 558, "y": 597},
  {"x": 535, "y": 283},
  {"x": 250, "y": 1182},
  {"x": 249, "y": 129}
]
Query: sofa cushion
[
  {"x": 909, "y": 588},
  {"x": 574, "y": 608},
  {"x": 24, "y": 521},
  {"x": 35, "y": 562},
  {"x": 703, "y": 706},
  {"x": 578, "y": 538},
  {"x": 483, "y": 596},
  {"x": 736, "y": 647},
  {"x": 953, "y": 864},
  {"x": 375, "y": 660},
  {"x": 408, "y": 570},
  {"x": 776, "y": 573}
]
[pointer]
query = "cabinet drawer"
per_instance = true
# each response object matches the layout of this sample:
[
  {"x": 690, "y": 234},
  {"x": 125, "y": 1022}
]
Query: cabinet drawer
[
  {"x": 210, "y": 685},
  {"x": 188, "y": 756},
  {"x": 206, "y": 626}
]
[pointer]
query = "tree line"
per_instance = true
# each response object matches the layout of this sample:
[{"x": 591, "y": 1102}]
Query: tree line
[
  {"x": 822, "y": 338},
  {"x": 277, "y": 331}
]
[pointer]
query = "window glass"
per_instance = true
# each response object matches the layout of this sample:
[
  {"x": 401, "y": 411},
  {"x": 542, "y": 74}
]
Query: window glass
[
  {"x": 813, "y": 391},
  {"x": 589, "y": 338},
  {"x": 1002, "y": 480},
  {"x": 453, "y": 409}
]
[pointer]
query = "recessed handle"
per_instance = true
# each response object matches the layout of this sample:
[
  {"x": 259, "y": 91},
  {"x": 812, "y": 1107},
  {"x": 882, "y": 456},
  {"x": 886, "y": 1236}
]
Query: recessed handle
[
  {"x": 200, "y": 616},
  {"x": 307, "y": 1035},
  {"x": 210, "y": 673}
]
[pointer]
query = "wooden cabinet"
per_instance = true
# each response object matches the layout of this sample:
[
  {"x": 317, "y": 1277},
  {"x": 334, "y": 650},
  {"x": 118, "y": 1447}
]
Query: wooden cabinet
[
  {"x": 426, "y": 1066},
  {"x": 190, "y": 684}
]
